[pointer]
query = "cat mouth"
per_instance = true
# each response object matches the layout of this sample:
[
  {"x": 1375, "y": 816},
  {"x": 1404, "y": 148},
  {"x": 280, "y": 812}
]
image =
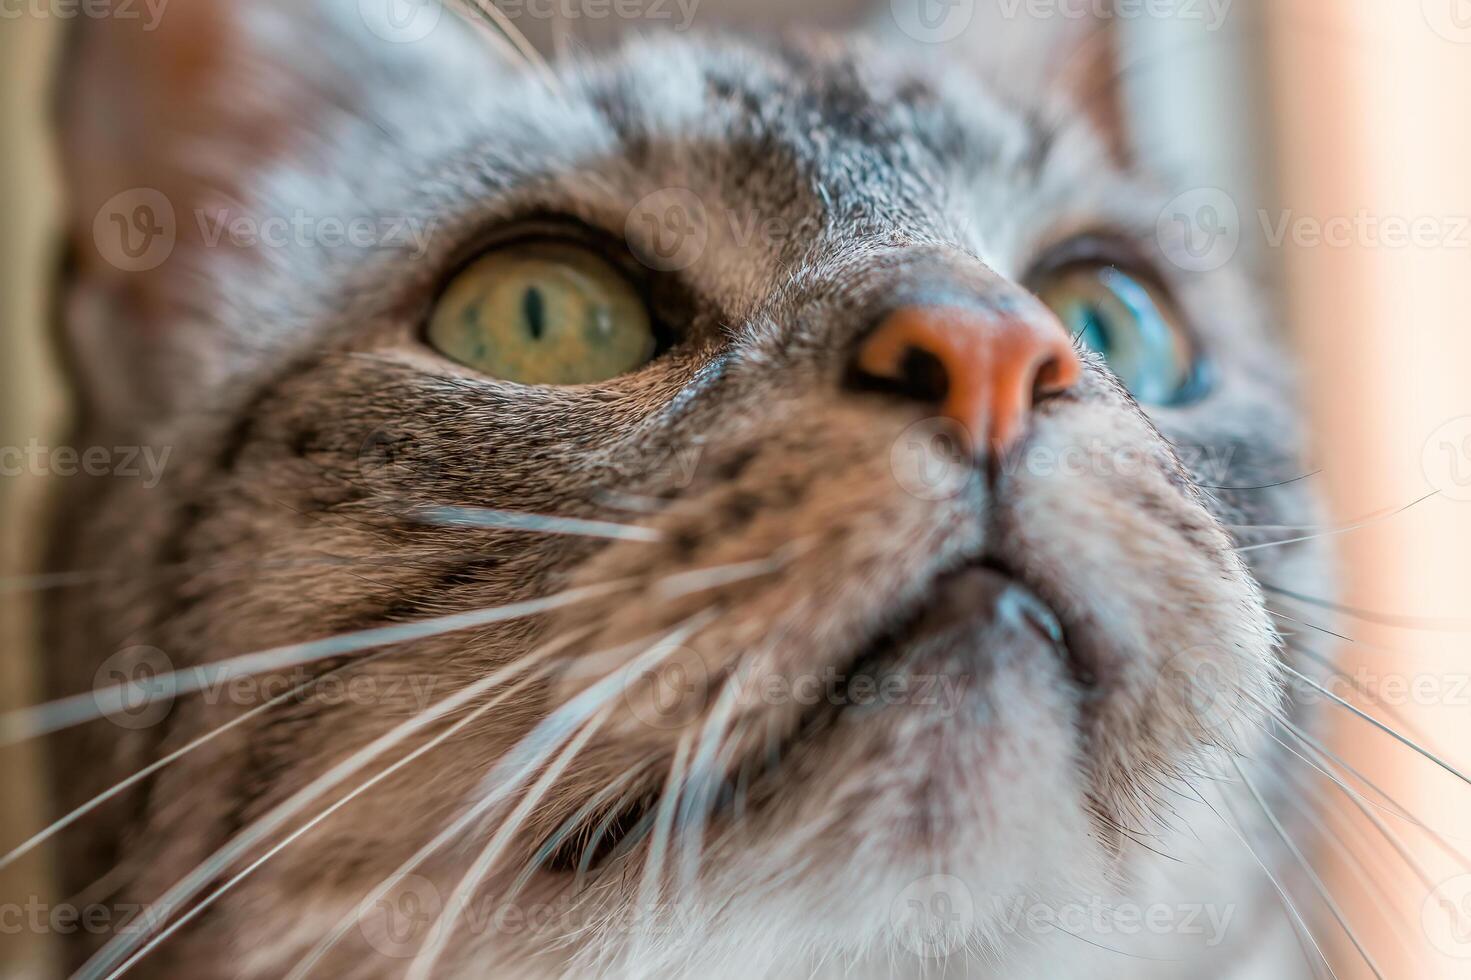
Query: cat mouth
[{"x": 966, "y": 615}]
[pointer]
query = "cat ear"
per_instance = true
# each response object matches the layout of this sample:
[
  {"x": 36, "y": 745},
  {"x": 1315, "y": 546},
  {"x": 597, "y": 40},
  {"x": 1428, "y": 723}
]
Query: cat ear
[
  {"x": 1031, "y": 51},
  {"x": 171, "y": 109}
]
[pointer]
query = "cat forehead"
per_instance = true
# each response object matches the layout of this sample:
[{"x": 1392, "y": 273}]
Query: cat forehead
[{"x": 816, "y": 147}]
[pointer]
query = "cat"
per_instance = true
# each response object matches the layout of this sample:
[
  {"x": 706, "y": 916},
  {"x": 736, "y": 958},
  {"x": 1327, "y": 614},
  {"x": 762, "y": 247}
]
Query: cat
[{"x": 882, "y": 597}]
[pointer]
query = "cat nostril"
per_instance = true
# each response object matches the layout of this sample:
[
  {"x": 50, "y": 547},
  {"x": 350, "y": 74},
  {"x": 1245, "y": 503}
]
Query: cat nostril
[
  {"x": 983, "y": 369},
  {"x": 922, "y": 376}
]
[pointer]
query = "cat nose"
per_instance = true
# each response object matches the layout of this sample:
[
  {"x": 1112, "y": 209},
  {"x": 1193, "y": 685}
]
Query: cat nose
[{"x": 981, "y": 367}]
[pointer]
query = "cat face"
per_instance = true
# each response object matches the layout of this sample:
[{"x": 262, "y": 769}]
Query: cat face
[{"x": 827, "y": 649}]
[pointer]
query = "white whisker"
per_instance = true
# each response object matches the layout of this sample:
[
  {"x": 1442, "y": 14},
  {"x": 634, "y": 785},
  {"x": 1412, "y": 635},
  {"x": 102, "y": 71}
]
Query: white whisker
[
  {"x": 1312, "y": 874},
  {"x": 1303, "y": 931},
  {"x": 422, "y": 966},
  {"x": 509, "y": 520},
  {"x": 124, "y": 944},
  {"x": 16, "y": 726},
  {"x": 1366, "y": 522},
  {"x": 46, "y": 834},
  {"x": 1407, "y": 742}
]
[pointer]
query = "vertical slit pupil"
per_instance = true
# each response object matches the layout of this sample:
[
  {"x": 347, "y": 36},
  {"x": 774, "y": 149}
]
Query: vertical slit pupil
[{"x": 533, "y": 308}]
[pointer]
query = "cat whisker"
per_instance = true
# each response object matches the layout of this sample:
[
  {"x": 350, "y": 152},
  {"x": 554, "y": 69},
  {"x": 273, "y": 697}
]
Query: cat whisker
[
  {"x": 123, "y": 945},
  {"x": 588, "y": 711},
  {"x": 1460, "y": 919},
  {"x": 41, "y": 836},
  {"x": 609, "y": 798},
  {"x": 1304, "y": 932},
  {"x": 687, "y": 583},
  {"x": 16, "y": 726},
  {"x": 1443, "y": 625},
  {"x": 632, "y": 503},
  {"x": 70, "y": 579},
  {"x": 422, "y": 966},
  {"x": 488, "y": 11},
  {"x": 1264, "y": 486},
  {"x": 1351, "y": 856},
  {"x": 1391, "y": 732},
  {"x": 1317, "y": 882},
  {"x": 507, "y": 520},
  {"x": 1395, "y": 808},
  {"x": 651, "y": 881},
  {"x": 706, "y": 776},
  {"x": 305, "y": 828},
  {"x": 1363, "y": 523},
  {"x": 1327, "y": 665}
]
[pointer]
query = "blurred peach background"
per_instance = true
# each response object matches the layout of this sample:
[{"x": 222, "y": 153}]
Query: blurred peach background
[{"x": 1331, "y": 113}]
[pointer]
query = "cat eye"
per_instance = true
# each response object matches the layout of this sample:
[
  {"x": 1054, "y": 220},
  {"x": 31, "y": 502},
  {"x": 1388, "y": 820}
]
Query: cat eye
[
  {"x": 1131, "y": 323},
  {"x": 543, "y": 313}
]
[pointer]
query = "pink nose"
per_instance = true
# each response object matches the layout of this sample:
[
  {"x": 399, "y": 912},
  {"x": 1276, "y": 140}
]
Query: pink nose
[{"x": 985, "y": 369}]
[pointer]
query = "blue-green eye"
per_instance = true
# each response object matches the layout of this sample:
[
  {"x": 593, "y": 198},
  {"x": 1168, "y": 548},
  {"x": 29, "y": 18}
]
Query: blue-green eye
[{"x": 1129, "y": 323}]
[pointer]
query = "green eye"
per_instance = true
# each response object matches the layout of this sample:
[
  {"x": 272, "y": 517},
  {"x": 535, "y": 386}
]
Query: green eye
[
  {"x": 1130, "y": 324},
  {"x": 543, "y": 314}
]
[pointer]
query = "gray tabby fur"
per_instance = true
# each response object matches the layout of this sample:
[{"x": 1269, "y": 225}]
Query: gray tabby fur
[{"x": 307, "y": 419}]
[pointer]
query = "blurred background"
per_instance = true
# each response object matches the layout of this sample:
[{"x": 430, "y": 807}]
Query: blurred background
[{"x": 1329, "y": 142}]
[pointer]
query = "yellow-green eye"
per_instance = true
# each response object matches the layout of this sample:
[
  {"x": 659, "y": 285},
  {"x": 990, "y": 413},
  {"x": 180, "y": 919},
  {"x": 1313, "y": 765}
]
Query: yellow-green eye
[
  {"x": 543, "y": 314},
  {"x": 1130, "y": 323}
]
